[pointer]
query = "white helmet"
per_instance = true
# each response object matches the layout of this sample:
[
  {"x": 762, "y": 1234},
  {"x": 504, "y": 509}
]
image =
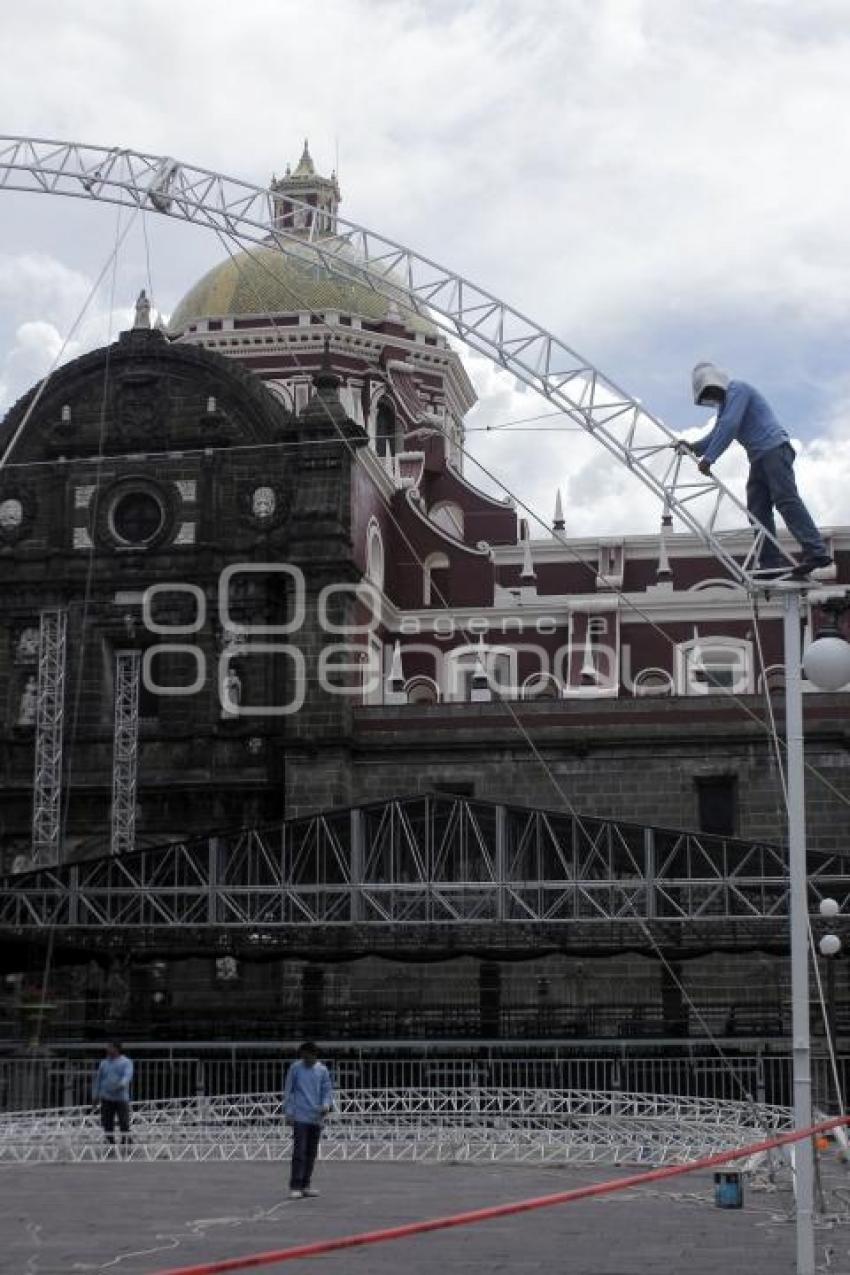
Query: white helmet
[{"x": 706, "y": 376}]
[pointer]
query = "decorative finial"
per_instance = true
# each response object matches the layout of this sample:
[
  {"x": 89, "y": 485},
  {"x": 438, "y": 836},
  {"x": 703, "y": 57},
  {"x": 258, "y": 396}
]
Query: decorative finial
[
  {"x": 396, "y": 678},
  {"x": 558, "y": 523},
  {"x": 305, "y": 164},
  {"x": 527, "y": 572},
  {"x": 143, "y": 311},
  {"x": 663, "y": 572}
]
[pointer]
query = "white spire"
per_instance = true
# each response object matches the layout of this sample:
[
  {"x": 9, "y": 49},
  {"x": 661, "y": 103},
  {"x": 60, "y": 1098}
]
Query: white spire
[{"x": 558, "y": 521}]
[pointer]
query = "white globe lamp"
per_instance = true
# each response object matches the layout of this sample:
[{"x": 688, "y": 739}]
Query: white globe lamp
[
  {"x": 829, "y": 908},
  {"x": 826, "y": 663},
  {"x": 830, "y": 945}
]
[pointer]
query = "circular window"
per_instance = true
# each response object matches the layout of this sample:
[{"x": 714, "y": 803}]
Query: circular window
[{"x": 137, "y": 517}]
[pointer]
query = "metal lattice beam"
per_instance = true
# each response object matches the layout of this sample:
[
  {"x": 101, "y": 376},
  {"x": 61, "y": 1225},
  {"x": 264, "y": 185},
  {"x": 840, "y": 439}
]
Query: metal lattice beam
[
  {"x": 125, "y": 751},
  {"x": 49, "y": 732},
  {"x": 461, "y": 308},
  {"x": 421, "y": 863}
]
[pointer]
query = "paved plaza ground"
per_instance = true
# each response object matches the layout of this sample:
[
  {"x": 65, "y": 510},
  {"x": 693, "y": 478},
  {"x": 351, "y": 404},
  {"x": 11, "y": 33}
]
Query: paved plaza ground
[{"x": 134, "y": 1219}]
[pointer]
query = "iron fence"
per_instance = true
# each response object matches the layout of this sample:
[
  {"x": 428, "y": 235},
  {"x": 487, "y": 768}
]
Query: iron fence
[{"x": 53, "y": 1081}]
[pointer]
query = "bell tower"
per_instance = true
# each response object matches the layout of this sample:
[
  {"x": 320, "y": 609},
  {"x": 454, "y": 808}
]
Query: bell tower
[{"x": 321, "y": 194}]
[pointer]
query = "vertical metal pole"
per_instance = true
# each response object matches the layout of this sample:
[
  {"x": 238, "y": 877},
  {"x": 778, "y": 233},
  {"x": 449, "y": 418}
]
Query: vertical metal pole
[
  {"x": 799, "y": 903},
  {"x": 500, "y": 858},
  {"x": 357, "y": 864}
]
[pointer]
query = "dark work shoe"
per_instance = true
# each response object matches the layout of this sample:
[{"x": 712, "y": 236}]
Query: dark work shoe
[{"x": 808, "y": 565}]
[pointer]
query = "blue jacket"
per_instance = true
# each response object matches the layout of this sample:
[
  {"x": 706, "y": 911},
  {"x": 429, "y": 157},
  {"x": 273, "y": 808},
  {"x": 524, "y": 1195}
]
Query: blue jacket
[
  {"x": 747, "y": 416},
  {"x": 306, "y": 1091},
  {"x": 113, "y": 1079}
]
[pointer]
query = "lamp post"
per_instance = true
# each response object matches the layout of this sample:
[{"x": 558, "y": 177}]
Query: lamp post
[{"x": 827, "y": 665}]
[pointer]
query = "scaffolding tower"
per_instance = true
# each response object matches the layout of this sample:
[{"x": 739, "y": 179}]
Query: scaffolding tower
[
  {"x": 125, "y": 751},
  {"x": 49, "y": 731}
]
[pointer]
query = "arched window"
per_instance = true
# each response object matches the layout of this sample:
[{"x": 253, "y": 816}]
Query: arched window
[
  {"x": 422, "y": 690},
  {"x": 435, "y": 580},
  {"x": 541, "y": 686},
  {"x": 653, "y": 681},
  {"x": 708, "y": 665},
  {"x": 448, "y": 516},
  {"x": 773, "y": 678},
  {"x": 374, "y": 555},
  {"x": 499, "y": 667},
  {"x": 386, "y": 438}
]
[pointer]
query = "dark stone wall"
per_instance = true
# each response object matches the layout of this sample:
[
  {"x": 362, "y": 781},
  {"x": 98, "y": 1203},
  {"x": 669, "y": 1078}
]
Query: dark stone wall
[{"x": 636, "y": 760}]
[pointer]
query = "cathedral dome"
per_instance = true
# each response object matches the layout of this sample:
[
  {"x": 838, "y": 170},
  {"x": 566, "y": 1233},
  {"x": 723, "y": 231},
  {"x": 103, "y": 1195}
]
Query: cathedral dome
[{"x": 264, "y": 281}]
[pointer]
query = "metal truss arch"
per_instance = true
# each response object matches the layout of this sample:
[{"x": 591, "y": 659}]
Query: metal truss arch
[{"x": 571, "y": 383}]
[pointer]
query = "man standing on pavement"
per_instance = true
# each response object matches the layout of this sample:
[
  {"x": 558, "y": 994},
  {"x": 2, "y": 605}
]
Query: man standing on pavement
[
  {"x": 743, "y": 414},
  {"x": 307, "y": 1099},
  {"x": 112, "y": 1092}
]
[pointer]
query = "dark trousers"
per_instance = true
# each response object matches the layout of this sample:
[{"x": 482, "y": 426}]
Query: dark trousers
[
  {"x": 110, "y": 1111},
  {"x": 305, "y": 1147},
  {"x": 771, "y": 485}
]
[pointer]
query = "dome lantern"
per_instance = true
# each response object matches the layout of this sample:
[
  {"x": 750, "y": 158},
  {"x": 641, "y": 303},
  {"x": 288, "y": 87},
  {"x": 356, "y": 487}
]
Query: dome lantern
[{"x": 308, "y": 186}]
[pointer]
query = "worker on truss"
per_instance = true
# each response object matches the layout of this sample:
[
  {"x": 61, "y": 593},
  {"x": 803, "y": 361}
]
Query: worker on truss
[{"x": 745, "y": 415}]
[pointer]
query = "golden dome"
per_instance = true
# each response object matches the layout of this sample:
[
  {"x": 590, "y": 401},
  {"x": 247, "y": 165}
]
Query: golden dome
[{"x": 264, "y": 281}]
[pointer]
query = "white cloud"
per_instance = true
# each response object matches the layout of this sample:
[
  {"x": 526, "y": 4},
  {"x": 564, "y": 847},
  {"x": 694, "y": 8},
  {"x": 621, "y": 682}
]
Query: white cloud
[
  {"x": 601, "y": 496},
  {"x": 653, "y": 181},
  {"x": 39, "y": 285}
]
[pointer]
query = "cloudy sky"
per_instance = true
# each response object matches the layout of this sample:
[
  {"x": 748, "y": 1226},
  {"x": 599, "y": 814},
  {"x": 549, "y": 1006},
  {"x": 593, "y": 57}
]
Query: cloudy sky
[{"x": 655, "y": 181}]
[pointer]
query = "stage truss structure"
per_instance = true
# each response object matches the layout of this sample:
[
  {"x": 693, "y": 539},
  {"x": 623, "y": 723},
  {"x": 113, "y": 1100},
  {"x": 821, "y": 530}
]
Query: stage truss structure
[
  {"x": 125, "y": 750},
  {"x": 469, "y": 1124},
  {"x": 431, "y": 861},
  {"x": 49, "y": 735},
  {"x": 572, "y": 384}
]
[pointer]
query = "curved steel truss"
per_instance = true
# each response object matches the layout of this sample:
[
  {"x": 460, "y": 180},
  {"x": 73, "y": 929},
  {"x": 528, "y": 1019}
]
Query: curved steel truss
[
  {"x": 470, "y": 1124},
  {"x": 245, "y": 213},
  {"x": 430, "y": 861}
]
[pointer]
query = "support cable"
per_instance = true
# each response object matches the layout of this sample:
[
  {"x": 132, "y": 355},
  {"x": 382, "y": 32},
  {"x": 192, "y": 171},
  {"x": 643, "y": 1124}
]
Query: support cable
[{"x": 505, "y": 703}]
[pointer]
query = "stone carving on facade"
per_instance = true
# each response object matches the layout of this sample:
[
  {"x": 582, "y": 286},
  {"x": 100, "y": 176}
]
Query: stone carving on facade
[
  {"x": 142, "y": 408},
  {"x": 262, "y": 506},
  {"x": 26, "y": 646},
  {"x": 29, "y": 702},
  {"x": 143, "y": 311},
  {"x": 263, "y": 503},
  {"x": 17, "y": 510},
  {"x": 11, "y": 513},
  {"x": 231, "y": 694}
]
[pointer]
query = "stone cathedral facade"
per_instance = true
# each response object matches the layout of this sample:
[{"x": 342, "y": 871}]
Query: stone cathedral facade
[{"x": 267, "y": 501}]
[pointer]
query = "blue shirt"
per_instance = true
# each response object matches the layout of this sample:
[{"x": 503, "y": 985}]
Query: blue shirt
[
  {"x": 306, "y": 1091},
  {"x": 112, "y": 1081},
  {"x": 746, "y": 416}
]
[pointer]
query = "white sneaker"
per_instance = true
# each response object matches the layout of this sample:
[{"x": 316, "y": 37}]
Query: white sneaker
[
  {"x": 297, "y": 1195},
  {"x": 310, "y": 1191}
]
